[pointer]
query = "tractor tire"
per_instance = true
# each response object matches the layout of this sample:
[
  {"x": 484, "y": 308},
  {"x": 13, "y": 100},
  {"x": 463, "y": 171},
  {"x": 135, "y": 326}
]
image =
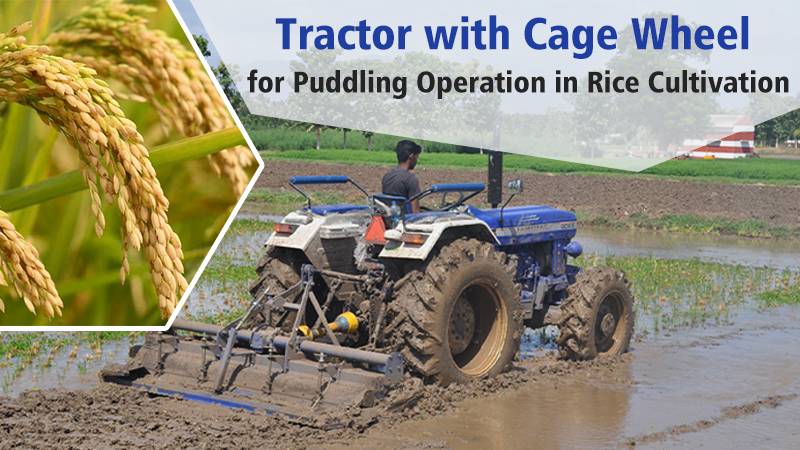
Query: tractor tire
[
  {"x": 457, "y": 318},
  {"x": 277, "y": 270},
  {"x": 596, "y": 318}
]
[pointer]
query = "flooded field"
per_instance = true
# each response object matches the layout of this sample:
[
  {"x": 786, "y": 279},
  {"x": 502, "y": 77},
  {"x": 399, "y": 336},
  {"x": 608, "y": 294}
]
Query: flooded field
[
  {"x": 69, "y": 366},
  {"x": 689, "y": 389},
  {"x": 686, "y": 384},
  {"x": 773, "y": 253},
  {"x": 712, "y": 364},
  {"x": 679, "y": 280}
]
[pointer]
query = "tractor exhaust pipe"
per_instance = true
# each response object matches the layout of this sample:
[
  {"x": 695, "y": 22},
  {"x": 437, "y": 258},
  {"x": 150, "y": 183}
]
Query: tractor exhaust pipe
[
  {"x": 495, "y": 175},
  {"x": 495, "y": 178}
]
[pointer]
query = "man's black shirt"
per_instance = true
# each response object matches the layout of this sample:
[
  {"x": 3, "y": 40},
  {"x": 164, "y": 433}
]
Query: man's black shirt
[{"x": 400, "y": 182}]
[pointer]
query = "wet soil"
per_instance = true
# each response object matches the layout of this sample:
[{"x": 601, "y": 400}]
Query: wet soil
[
  {"x": 114, "y": 416},
  {"x": 734, "y": 385},
  {"x": 606, "y": 196},
  {"x": 716, "y": 386}
]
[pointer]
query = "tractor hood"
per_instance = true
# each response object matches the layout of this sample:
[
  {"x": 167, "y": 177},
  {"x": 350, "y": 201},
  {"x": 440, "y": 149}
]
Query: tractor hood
[
  {"x": 527, "y": 224},
  {"x": 522, "y": 216}
]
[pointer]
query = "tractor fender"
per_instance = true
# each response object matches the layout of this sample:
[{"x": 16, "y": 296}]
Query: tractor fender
[
  {"x": 320, "y": 237},
  {"x": 437, "y": 232},
  {"x": 301, "y": 238}
]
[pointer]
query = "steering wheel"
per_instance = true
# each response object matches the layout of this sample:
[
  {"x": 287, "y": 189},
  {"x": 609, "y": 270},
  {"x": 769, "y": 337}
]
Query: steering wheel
[
  {"x": 443, "y": 204},
  {"x": 446, "y": 206}
]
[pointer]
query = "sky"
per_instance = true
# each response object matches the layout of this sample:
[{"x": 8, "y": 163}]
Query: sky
[
  {"x": 196, "y": 27},
  {"x": 247, "y": 34}
]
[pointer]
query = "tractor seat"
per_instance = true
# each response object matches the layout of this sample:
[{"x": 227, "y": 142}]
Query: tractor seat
[
  {"x": 387, "y": 200},
  {"x": 324, "y": 210}
]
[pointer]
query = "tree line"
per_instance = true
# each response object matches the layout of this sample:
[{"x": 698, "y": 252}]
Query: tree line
[{"x": 783, "y": 130}]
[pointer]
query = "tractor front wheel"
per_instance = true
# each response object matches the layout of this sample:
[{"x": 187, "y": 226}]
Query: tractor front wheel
[
  {"x": 457, "y": 319},
  {"x": 597, "y": 316}
]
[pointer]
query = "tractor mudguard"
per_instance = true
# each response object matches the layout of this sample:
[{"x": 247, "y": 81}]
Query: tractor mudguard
[
  {"x": 305, "y": 232},
  {"x": 432, "y": 233},
  {"x": 328, "y": 222}
]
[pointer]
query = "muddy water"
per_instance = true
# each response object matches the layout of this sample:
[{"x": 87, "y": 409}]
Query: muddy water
[
  {"x": 243, "y": 248},
  {"x": 721, "y": 387},
  {"x": 696, "y": 387},
  {"x": 71, "y": 368},
  {"x": 774, "y": 253}
]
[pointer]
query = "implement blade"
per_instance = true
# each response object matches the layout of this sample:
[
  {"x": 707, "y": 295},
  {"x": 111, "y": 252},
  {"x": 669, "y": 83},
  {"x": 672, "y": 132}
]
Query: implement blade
[{"x": 188, "y": 367}]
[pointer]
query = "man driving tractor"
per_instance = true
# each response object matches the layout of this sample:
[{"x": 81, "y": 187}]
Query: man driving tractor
[{"x": 401, "y": 181}]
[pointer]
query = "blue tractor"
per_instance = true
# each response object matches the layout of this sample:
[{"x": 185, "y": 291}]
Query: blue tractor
[{"x": 350, "y": 297}]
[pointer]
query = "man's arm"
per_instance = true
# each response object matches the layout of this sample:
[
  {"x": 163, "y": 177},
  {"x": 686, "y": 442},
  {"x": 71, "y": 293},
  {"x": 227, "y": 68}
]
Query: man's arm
[{"x": 413, "y": 189}]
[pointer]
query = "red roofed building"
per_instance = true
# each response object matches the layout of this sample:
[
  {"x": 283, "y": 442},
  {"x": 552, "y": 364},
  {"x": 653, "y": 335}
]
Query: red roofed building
[{"x": 737, "y": 141}]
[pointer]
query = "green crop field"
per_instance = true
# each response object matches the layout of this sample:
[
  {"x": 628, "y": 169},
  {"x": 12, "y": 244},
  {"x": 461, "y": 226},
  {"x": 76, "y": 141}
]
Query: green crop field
[
  {"x": 297, "y": 139},
  {"x": 771, "y": 171}
]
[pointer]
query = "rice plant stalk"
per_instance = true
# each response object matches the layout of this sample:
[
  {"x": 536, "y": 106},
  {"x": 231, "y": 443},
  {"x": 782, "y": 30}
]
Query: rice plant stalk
[{"x": 161, "y": 156}]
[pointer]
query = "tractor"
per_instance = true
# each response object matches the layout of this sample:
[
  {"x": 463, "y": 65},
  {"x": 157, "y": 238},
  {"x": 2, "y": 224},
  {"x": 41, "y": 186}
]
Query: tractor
[{"x": 352, "y": 298}]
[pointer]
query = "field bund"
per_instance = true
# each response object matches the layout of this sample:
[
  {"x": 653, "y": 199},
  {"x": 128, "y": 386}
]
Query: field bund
[{"x": 614, "y": 198}]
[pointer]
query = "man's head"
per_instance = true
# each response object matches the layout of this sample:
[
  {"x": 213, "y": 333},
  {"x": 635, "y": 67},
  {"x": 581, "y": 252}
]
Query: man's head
[{"x": 408, "y": 153}]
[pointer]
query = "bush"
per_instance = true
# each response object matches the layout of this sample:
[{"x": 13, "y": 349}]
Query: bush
[
  {"x": 297, "y": 138},
  {"x": 760, "y": 170}
]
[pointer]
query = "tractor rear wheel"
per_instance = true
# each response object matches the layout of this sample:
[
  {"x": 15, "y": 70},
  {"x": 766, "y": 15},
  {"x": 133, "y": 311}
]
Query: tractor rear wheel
[
  {"x": 277, "y": 270},
  {"x": 597, "y": 317},
  {"x": 457, "y": 318}
]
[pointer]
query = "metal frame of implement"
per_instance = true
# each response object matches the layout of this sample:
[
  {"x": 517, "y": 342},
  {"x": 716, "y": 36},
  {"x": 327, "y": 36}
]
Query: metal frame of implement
[{"x": 260, "y": 356}]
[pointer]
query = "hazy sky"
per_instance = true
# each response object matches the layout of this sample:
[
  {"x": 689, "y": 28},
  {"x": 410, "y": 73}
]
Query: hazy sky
[{"x": 196, "y": 26}]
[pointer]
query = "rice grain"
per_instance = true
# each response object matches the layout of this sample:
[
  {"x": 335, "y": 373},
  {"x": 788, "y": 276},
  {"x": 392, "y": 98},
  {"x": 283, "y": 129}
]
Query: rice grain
[
  {"x": 115, "y": 39},
  {"x": 21, "y": 268},
  {"x": 115, "y": 163}
]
